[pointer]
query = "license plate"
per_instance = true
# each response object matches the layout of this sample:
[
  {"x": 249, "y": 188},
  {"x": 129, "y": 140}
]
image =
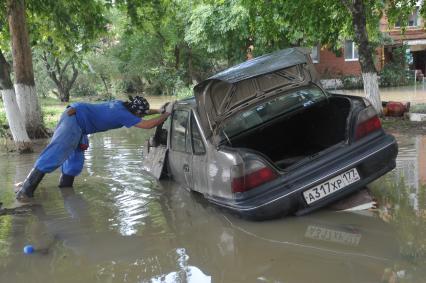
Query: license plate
[
  {"x": 331, "y": 186},
  {"x": 332, "y": 235}
]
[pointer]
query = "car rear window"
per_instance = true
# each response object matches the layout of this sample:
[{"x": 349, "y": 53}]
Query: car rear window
[
  {"x": 226, "y": 96},
  {"x": 279, "y": 105}
]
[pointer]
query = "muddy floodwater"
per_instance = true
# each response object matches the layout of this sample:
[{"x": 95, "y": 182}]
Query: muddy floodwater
[
  {"x": 120, "y": 225},
  {"x": 413, "y": 93}
]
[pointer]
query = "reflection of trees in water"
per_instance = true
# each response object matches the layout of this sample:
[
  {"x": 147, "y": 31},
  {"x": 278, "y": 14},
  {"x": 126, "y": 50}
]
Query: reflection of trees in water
[
  {"x": 13, "y": 167},
  {"x": 115, "y": 160},
  {"x": 65, "y": 237},
  {"x": 77, "y": 232},
  {"x": 396, "y": 207},
  {"x": 5, "y": 235}
]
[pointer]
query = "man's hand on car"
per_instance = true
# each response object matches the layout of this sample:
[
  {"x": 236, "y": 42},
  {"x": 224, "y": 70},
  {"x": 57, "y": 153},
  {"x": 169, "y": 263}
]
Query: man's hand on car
[
  {"x": 162, "y": 109},
  {"x": 169, "y": 107}
]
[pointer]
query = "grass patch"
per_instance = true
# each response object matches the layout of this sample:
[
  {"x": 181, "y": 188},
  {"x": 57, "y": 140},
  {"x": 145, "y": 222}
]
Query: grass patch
[
  {"x": 418, "y": 108},
  {"x": 51, "y": 114},
  {"x": 3, "y": 123},
  {"x": 51, "y": 109}
]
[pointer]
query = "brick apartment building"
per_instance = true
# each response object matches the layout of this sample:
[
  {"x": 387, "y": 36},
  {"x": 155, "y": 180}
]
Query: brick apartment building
[{"x": 329, "y": 65}]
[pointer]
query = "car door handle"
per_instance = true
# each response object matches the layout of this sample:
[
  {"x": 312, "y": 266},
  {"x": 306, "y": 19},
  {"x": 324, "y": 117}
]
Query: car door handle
[{"x": 186, "y": 168}]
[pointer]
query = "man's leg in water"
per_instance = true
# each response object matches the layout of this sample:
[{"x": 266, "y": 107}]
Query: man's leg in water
[
  {"x": 64, "y": 141},
  {"x": 72, "y": 167}
]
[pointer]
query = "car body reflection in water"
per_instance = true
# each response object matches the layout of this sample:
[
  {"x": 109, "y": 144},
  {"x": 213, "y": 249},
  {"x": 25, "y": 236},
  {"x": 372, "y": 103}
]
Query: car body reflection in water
[
  {"x": 121, "y": 226},
  {"x": 357, "y": 247}
]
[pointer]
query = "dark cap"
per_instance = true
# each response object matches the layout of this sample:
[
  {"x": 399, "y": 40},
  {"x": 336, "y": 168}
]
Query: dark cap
[{"x": 138, "y": 105}]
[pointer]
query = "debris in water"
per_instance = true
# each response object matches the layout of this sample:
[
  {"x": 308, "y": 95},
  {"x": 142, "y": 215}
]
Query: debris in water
[
  {"x": 361, "y": 200},
  {"x": 20, "y": 210},
  {"x": 28, "y": 249}
]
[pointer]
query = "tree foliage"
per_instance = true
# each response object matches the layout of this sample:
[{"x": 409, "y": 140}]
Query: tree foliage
[
  {"x": 221, "y": 29},
  {"x": 328, "y": 22},
  {"x": 63, "y": 31},
  {"x": 65, "y": 26},
  {"x": 160, "y": 46},
  {"x": 148, "y": 50},
  {"x": 59, "y": 26}
]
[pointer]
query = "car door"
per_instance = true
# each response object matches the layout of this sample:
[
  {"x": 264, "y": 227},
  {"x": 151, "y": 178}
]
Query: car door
[
  {"x": 155, "y": 150},
  {"x": 199, "y": 157},
  {"x": 180, "y": 153}
]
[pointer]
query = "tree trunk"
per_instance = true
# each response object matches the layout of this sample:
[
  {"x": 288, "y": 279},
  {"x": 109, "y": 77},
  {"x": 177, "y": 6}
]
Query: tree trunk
[
  {"x": 59, "y": 75},
  {"x": 177, "y": 57},
  {"x": 365, "y": 51},
  {"x": 250, "y": 48},
  {"x": 371, "y": 90},
  {"x": 23, "y": 68},
  {"x": 64, "y": 95},
  {"x": 191, "y": 73},
  {"x": 13, "y": 115},
  {"x": 103, "y": 78}
]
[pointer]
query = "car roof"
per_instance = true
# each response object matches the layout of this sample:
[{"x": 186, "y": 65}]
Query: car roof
[
  {"x": 188, "y": 102},
  {"x": 262, "y": 65}
]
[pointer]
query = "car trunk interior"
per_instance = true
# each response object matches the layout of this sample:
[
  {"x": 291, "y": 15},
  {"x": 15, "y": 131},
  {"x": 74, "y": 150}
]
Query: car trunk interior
[{"x": 289, "y": 139}]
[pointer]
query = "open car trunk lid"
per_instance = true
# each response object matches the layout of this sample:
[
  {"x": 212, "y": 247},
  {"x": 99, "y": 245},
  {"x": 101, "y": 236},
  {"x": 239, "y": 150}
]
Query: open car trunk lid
[{"x": 237, "y": 88}]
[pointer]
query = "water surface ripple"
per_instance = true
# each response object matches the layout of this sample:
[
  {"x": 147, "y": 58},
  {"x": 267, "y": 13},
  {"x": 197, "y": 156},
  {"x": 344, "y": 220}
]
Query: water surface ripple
[{"x": 120, "y": 225}]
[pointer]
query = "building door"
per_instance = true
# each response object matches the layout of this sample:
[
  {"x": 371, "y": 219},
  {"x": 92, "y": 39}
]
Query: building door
[{"x": 419, "y": 60}]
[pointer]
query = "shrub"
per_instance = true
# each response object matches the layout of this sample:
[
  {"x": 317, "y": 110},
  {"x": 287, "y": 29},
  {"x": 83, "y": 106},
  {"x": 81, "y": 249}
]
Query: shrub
[
  {"x": 391, "y": 75},
  {"x": 394, "y": 73},
  {"x": 185, "y": 91},
  {"x": 418, "y": 108},
  {"x": 43, "y": 82},
  {"x": 83, "y": 87},
  {"x": 352, "y": 82},
  {"x": 3, "y": 124}
]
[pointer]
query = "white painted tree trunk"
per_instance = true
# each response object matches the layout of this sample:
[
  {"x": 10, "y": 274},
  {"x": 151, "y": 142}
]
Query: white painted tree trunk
[
  {"x": 371, "y": 90},
  {"x": 16, "y": 123},
  {"x": 29, "y": 107}
]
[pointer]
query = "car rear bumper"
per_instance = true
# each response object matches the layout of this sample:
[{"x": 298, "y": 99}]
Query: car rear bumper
[{"x": 372, "y": 158}]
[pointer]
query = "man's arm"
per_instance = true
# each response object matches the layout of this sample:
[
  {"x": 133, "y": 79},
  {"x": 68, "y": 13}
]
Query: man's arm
[
  {"x": 153, "y": 111},
  {"x": 154, "y": 122}
]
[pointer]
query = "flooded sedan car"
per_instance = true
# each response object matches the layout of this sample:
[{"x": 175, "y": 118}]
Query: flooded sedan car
[{"x": 263, "y": 139}]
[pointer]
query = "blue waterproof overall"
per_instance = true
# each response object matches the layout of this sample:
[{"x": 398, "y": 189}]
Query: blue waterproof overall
[{"x": 64, "y": 149}]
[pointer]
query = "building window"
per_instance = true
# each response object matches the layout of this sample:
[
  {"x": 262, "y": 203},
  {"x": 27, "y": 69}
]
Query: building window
[
  {"x": 315, "y": 54},
  {"x": 413, "y": 19},
  {"x": 351, "y": 51}
]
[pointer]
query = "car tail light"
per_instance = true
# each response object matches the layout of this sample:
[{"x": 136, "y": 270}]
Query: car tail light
[
  {"x": 251, "y": 174},
  {"x": 367, "y": 123}
]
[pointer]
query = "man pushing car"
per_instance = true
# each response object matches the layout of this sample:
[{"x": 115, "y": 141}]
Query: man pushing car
[{"x": 66, "y": 149}]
